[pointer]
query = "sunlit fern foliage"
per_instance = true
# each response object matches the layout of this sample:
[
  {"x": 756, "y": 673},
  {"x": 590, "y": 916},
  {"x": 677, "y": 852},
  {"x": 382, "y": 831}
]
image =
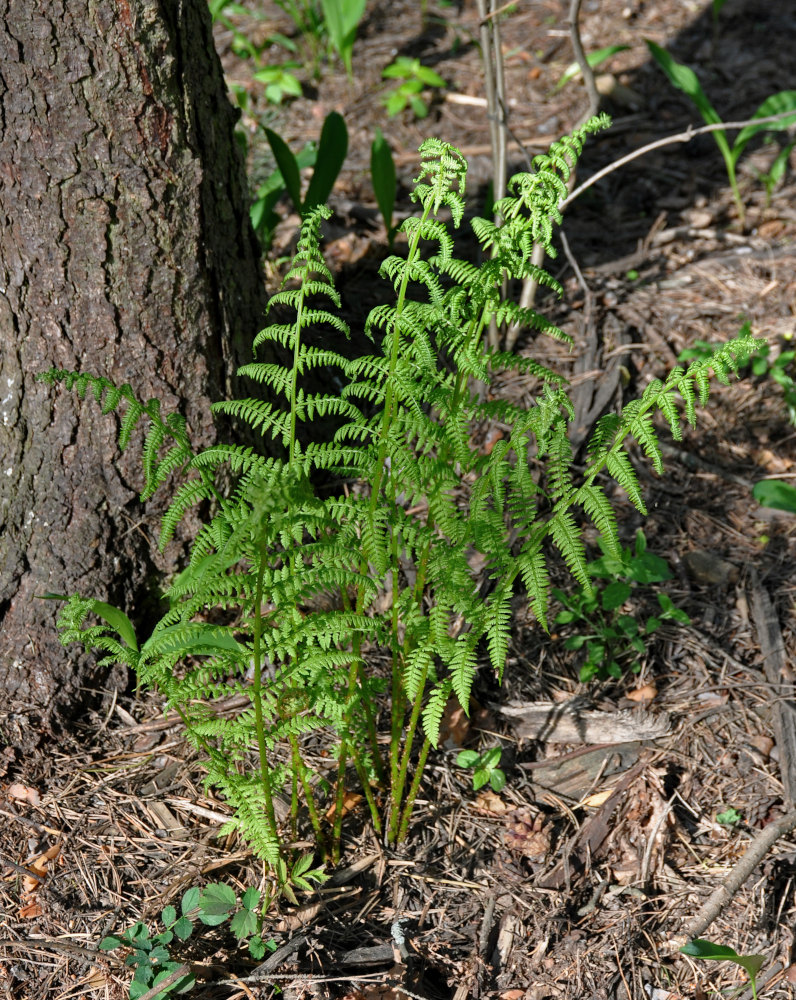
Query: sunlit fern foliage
[{"x": 416, "y": 510}]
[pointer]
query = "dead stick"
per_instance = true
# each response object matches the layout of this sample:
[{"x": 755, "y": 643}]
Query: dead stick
[
  {"x": 755, "y": 852},
  {"x": 172, "y": 978}
]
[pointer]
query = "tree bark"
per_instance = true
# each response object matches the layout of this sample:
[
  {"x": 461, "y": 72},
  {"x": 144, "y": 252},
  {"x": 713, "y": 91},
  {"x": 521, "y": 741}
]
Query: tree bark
[{"x": 125, "y": 250}]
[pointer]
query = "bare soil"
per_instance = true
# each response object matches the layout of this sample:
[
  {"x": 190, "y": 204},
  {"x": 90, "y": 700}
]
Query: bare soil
[{"x": 578, "y": 878}]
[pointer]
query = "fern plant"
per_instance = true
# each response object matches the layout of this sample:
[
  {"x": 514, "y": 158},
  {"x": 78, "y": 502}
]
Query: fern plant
[{"x": 396, "y": 548}]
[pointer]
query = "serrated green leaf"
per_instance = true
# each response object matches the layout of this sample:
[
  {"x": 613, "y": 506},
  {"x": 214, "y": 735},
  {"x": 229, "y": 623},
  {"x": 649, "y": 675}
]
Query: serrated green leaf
[{"x": 243, "y": 924}]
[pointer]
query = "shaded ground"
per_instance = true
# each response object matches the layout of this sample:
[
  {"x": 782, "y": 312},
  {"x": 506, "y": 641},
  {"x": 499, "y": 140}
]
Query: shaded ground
[{"x": 554, "y": 888}]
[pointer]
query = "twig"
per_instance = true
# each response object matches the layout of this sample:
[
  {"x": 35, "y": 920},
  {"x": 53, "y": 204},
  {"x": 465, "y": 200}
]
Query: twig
[
  {"x": 529, "y": 288},
  {"x": 687, "y": 136},
  {"x": 583, "y": 62},
  {"x": 723, "y": 894},
  {"x": 184, "y": 970}
]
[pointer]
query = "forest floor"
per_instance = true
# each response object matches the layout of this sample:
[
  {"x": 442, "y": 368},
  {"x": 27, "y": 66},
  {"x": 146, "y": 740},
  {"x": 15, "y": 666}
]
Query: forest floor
[{"x": 578, "y": 877}]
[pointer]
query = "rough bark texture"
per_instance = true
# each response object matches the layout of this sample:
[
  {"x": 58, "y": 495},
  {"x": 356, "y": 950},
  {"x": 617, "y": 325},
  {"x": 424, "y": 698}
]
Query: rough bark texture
[{"x": 125, "y": 250}]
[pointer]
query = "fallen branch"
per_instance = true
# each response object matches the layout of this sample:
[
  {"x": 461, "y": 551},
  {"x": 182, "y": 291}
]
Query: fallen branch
[{"x": 755, "y": 852}]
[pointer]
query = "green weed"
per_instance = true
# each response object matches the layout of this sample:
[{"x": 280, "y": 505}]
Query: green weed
[
  {"x": 408, "y": 501},
  {"x": 150, "y": 955},
  {"x": 686, "y": 80},
  {"x": 722, "y": 953},
  {"x": 485, "y": 768},
  {"x": 610, "y": 638},
  {"x": 415, "y": 79}
]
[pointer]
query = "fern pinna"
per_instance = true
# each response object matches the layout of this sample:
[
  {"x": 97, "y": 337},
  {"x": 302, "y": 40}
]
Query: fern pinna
[{"x": 395, "y": 540}]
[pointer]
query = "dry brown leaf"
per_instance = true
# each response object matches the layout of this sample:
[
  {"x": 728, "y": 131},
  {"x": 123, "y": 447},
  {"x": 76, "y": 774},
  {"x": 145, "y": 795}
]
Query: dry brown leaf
[
  {"x": 30, "y": 911},
  {"x": 512, "y": 994},
  {"x": 350, "y": 801},
  {"x": 23, "y": 793},
  {"x": 646, "y": 693},
  {"x": 39, "y": 867},
  {"x": 454, "y": 728},
  {"x": 490, "y": 804},
  {"x": 598, "y": 798},
  {"x": 528, "y": 835}
]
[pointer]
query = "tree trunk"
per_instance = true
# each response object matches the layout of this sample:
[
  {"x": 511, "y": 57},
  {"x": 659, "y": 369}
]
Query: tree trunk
[{"x": 126, "y": 251}]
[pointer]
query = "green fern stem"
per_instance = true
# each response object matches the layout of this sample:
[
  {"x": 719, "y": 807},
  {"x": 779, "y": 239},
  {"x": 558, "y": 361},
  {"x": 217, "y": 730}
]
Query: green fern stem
[
  {"x": 414, "y": 788},
  {"x": 397, "y": 791},
  {"x": 259, "y": 722},
  {"x": 386, "y": 421}
]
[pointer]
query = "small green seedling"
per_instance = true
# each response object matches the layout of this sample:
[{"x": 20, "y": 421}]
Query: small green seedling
[
  {"x": 382, "y": 173},
  {"x": 150, "y": 957},
  {"x": 342, "y": 18},
  {"x": 327, "y": 160},
  {"x": 730, "y": 817},
  {"x": 486, "y": 768},
  {"x": 776, "y": 171},
  {"x": 280, "y": 81},
  {"x": 722, "y": 953},
  {"x": 686, "y": 80},
  {"x": 332, "y": 150},
  {"x": 608, "y": 637},
  {"x": 594, "y": 59},
  {"x": 415, "y": 78}
]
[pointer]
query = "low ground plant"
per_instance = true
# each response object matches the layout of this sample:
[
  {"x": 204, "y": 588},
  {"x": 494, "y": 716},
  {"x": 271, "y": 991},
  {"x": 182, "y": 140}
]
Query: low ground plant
[
  {"x": 415, "y": 79},
  {"x": 686, "y": 80},
  {"x": 390, "y": 522},
  {"x": 150, "y": 955},
  {"x": 611, "y": 637}
]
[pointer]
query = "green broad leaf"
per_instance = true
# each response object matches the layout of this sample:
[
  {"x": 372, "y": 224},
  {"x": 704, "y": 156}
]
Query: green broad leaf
[
  {"x": 138, "y": 989},
  {"x": 419, "y": 107},
  {"x": 653, "y": 623},
  {"x": 497, "y": 779},
  {"x": 565, "y": 617},
  {"x": 216, "y": 903},
  {"x": 429, "y": 77},
  {"x": 168, "y": 916},
  {"x": 628, "y": 624},
  {"x": 492, "y": 757},
  {"x": 614, "y": 595},
  {"x": 467, "y": 758},
  {"x": 183, "y": 928},
  {"x": 256, "y": 948},
  {"x": 685, "y": 79},
  {"x": 649, "y": 568},
  {"x": 383, "y": 177},
  {"x": 480, "y": 778},
  {"x": 251, "y": 898},
  {"x": 243, "y": 924},
  {"x": 342, "y": 18},
  {"x": 401, "y": 68},
  {"x": 288, "y": 167},
  {"x": 182, "y": 985},
  {"x": 332, "y": 150},
  {"x": 729, "y": 817},
  {"x": 699, "y": 948},
  {"x": 776, "y": 494},
  {"x": 776, "y": 104},
  {"x": 110, "y": 942},
  {"x": 576, "y": 642},
  {"x": 594, "y": 59},
  {"x": 638, "y": 644},
  {"x": 190, "y": 900},
  {"x": 394, "y": 103},
  {"x": 111, "y": 615}
]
